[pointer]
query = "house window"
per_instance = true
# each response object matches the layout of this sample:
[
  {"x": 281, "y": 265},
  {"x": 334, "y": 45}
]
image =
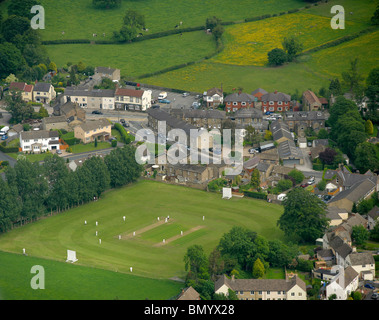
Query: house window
[
  {"x": 251, "y": 292},
  {"x": 235, "y": 103},
  {"x": 268, "y": 292},
  {"x": 280, "y": 103},
  {"x": 271, "y": 109},
  {"x": 243, "y": 103},
  {"x": 279, "y": 108},
  {"x": 293, "y": 294},
  {"x": 271, "y": 103}
]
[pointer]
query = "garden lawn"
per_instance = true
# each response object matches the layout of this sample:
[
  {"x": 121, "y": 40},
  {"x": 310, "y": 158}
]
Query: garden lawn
[
  {"x": 141, "y": 203},
  {"x": 79, "y": 148},
  {"x": 65, "y": 281}
]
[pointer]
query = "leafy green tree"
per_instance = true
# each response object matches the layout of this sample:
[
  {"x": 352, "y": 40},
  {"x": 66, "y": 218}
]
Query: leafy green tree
[
  {"x": 284, "y": 184},
  {"x": 375, "y": 17},
  {"x": 18, "y": 108},
  {"x": 292, "y": 47},
  {"x": 258, "y": 269},
  {"x": 21, "y": 8},
  {"x": 122, "y": 166},
  {"x": 335, "y": 87},
  {"x": 281, "y": 254},
  {"x": 321, "y": 185},
  {"x": 373, "y": 77},
  {"x": 43, "y": 113},
  {"x": 215, "y": 263},
  {"x": 212, "y": 22},
  {"x": 100, "y": 176},
  {"x": 255, "y": 179},
  {"x": 106, "y": 4},
  {"x": 14, "y": 25},
  {"x": 304, "y": 218},
  {"x": 196, "y": 263},
  {"x": 369, "y": 128},
  {"x": 352, "y": 79},
  {"x": 217, "y": 32},
  {"x": 297, "y": 175},
  {"x": 276, "y": 57},
  {"x": 244, "y": 246},
  {"x": 359, "y": 235},
  {"x": 11, "y": 60},
  {"x": 366, "y": 157},
  {"x": 53, "y": 66},
  {"x": 10, "y": 208}
]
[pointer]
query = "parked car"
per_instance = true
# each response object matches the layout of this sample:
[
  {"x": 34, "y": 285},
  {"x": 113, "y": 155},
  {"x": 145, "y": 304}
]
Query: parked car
[
  {"x": 375, "y": 296},
  {"x": 4, "y": 137},
  {"x": 185, "y": 94},
  {"x": 369, "y": 286},
  {"x": 122, "y": 120},
  {"x": 162, "y": 95},
  {"x": 327, "y": 197},
  {"x": 59, "y": 151},
  {"x": 164, "y": 101},
  {"x": 311, "y": 180},
  {"x": 155, "y": 107},
  {"x": 97, "y": 112},
  {"x": 304, "y": 185},
  {"x": 195, "y": 105},
  {"x": 268, "y": 113},
  {"x": 126, "y": 125}
]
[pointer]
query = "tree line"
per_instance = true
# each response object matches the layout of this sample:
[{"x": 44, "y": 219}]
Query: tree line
[{"x": 32, "y": 190}]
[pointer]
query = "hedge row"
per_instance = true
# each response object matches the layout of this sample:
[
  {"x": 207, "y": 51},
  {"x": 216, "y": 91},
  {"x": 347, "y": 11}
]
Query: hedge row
[
  {"x": 256, "y": 195},
  {"x": 65, "y": 41},
  {"x": 5, "y": 149},
  {"x": 125, "y": 137}
]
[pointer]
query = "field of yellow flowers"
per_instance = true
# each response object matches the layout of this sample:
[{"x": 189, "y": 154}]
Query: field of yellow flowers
[{"x": 249, "y": 43}]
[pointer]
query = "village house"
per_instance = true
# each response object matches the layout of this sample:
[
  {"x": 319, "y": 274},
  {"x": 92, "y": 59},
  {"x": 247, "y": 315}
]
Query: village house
[
  {"x": 336, "y": 216},
  {"x": 25, "y": 89},
  {"x": 107, "y": 72},
  {"x": 213, "y": 98},
  {"x": 275, "y": 102},
  {"x": 251, "y": 117},
  {"x": 373, "y": 218},
  {"x": 43, "y": 92},
  {"x": 310, "y": 101},
  {"x": 238, "y": 100},
  {"x": 343, "y": 284},
  {"x": 363, "y": 263},
  {"x": 258, "y": 93},
  {"x": 209, "y": 119},
  {"x": 87, "y": 98},
  {"x": 132, "y": 99},
  {"x": 300, "y": 121},
  {"x": 96, "y": 129},
  {"x": 71, "y": 111},
  {"x": 263, "y": 289},
  {"x": 37, "y": 141},
  {"x": 201, "y": 138},
  {"x": 53, "y": 123},
  {"x": 189, "y": 294},
  {"x": 280, "y": 131},
  {"x": 289, "y": 154}
]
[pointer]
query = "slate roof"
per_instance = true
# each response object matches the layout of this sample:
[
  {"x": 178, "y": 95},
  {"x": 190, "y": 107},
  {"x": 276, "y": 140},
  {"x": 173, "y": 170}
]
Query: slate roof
[
  {"x": 189, "y": 294},
  {"x": 129, "y": 92},
  {"x": 288, "y": 150},
  {"x": 196, "y": 113},
  {"x": 71, "y": 91},
  {"x": 239, "y": 97},
  {"x": 38, "y": 134},
  {"x": 374, "y": 213},
  {"x": 259, "y": 284},
  {"x": 276, "y": 96},
  {"x": 349, "y": 275},
  {"x": 356, "y": 192},
  {"x": 249, "y": 113},
  {"x": 54, "y": 119},
  {"x": 42, "y": 86},
  {"x": 311, "y": 97},
  {"x": 94, "y": 124},
  {"x": 361, "y": 258},
  {"x": 259, "y": 90},
  {"x": 279, "y": 130}
]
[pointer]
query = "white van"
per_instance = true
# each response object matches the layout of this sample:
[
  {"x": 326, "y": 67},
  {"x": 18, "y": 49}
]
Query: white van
[
  {"x": 4, "y": 131},
  {"x": 162, "y": 95}
]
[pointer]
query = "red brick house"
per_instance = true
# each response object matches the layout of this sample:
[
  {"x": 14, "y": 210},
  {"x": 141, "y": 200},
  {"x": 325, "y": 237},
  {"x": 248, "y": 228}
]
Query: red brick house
[
  {"x": 258, "y": 93},
  {"x": 240, "y": 100},
  {"x": 276, "y": 102}
]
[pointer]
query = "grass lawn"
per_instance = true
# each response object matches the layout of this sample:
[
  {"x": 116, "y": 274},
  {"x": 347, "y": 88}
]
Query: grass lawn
[
  {"x": 78, "y": 148},
  {"x": 68, "y": 281},
  {"x": 31, "y": 157},
  {"x": 142, "y": 203}
]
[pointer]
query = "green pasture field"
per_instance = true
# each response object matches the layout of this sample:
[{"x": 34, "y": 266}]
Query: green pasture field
[
  {"x": 80, "y": 20},
  {"x": 137, "y": 58},
  {"x": 142, "y": 203},
  {"x": 66, "y": 281}
]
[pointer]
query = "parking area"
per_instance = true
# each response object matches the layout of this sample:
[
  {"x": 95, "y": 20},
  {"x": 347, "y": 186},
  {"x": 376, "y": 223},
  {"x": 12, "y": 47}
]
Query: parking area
[{"x": 177, "y": 100}]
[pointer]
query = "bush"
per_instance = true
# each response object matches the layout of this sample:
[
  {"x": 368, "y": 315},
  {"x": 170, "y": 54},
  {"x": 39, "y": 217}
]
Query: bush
[
  {"x": 114, "y": 143},
  {"x": 255, "y": 195}
]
